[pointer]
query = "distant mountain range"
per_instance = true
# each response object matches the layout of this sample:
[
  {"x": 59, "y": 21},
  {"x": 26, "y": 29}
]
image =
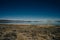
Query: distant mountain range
[
  {"x": 23, "y": 21},
  {"x": 16, "y": 21}
]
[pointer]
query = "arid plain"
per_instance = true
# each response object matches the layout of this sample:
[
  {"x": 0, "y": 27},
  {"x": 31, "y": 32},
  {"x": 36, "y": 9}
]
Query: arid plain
[{"x": 29, "y": 32}]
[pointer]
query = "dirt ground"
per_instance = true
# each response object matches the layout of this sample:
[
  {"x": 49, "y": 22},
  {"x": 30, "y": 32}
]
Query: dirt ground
[{"x": 29, "y": 32}]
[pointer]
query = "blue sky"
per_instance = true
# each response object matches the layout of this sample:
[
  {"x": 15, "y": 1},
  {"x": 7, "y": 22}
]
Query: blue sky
[{"x": 30, "y": 9}]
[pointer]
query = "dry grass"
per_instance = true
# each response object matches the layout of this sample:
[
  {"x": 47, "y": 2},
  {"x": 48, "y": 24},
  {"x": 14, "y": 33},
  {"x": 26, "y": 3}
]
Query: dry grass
[{"x": 29, "y": 32}]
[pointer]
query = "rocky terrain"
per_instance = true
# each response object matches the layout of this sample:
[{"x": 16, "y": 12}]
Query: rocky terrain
[{"x": 29, "y": 32}]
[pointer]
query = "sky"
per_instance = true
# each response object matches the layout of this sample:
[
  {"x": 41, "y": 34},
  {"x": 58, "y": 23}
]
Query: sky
[{"x": 30, "y": 9}]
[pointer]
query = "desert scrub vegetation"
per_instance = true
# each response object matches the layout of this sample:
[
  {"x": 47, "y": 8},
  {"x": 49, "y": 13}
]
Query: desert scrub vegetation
[{"x": 29, "y": 32}]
